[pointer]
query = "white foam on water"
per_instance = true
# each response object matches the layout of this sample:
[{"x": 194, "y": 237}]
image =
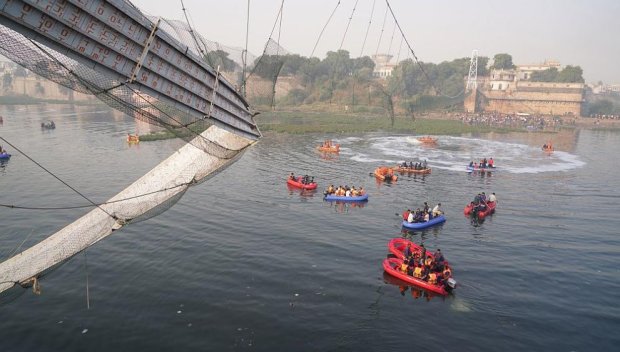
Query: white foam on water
[{"x": 455, "y": 153}]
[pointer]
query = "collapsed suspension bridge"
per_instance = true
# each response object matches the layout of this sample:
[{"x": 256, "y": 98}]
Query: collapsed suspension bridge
[{"x": 150, "y": 68}]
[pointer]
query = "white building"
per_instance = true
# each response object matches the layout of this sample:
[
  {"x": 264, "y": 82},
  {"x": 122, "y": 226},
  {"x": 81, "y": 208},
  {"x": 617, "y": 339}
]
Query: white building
[{"x": 383, "y": 67}]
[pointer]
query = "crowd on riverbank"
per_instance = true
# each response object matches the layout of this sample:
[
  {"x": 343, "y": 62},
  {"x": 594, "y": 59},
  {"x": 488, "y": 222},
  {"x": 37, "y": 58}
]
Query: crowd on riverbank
[{"x": 530, "y": 122}]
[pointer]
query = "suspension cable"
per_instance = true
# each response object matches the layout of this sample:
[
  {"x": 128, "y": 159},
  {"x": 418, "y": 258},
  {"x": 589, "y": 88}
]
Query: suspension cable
[
  {"x": 368, "y": 28},
  {"x": 439, "y": 92},
  {"x": 56, "y": 177},
  {"x": 348, "y": 23},
  {"x": 382, "y": 28},
  {"x": 322, "y": 30},
  {"x": 260, "y": 59}
]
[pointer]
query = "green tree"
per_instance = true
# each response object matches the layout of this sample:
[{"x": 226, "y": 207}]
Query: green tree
[
  {"x": 571, "y": 74},
  {"x": 548, "y": 75},
  {"x": 502, "y": 62},
  {"x": 7, "y": 80},
  {"x": 220, "y": 58},
  {"x": 20, "y": 72},
  {"x": 602, "y": 107}
]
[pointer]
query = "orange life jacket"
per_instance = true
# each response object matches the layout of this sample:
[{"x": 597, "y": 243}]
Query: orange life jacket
[{"x": 432, "y": 278}]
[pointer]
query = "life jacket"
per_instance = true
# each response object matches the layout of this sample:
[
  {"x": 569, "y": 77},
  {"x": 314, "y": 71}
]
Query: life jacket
[
  {"x": 432, "y": 278},
  {"x": 428, "y": 261},
  {"x": 403, "y": 267},
  {"x": 417, "y": 272}
]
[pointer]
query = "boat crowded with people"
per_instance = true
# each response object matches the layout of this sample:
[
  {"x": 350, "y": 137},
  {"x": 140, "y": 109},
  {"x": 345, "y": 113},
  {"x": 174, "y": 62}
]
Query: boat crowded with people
[
  {"x": 481, "y": 207},
  {"x": 484, "y": 166},
  {"x": 413, "y": 264},
  {"x": 419, "y": 168},
  {"x": 345, "y": 194},
  {"x": 483, "y": 211},
  {"x": 440, "y": 219},
  {"x": 329, "y": 147}
]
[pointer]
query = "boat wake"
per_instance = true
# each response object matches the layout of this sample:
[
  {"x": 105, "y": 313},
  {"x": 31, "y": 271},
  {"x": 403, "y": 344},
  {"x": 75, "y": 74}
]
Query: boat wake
[{"x": 454, "y": 153}]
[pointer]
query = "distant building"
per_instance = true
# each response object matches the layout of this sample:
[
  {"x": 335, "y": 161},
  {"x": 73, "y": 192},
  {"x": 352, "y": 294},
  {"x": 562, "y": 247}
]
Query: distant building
[
  {"x": 524, "y": 72},
  {"x": 383, "y": 67},
  {"x": 511, "y": 92}
]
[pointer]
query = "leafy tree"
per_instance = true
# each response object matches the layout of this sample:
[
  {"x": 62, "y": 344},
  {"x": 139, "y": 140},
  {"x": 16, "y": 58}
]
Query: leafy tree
[
  {"x": 20, "y": 72},
  {"x": 602, "y": 107},
  {"x": 502, "y": 62},
  {"x": 268, "y": 66},
  {"x": 220, "y": 58},
  {"x": 548, "y": 75},
  {"x": 7, "y": 80},
  {"x": 571, "y": 74}
]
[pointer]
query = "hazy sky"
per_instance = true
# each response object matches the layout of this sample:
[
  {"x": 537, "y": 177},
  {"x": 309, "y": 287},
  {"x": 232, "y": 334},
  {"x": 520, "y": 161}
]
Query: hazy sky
[{"x": 575, "y": 32}]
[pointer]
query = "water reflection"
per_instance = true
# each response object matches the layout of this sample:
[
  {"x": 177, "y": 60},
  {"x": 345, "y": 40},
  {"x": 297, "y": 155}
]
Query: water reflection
[
  {"x": 306, "y": 193},
  {"x": 344, "y": 207}
]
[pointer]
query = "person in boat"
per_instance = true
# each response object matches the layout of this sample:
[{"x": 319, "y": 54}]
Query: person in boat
[
  {"x": 417, "y": 271},
  {"x": 426, "y": 207},
  {"x": 330, "y": 189},
  {"x": 424, "y": 164},
  {"x": 411, "y": 217},
  {"x": 2, "y": 151},
  {"x": 406, "y": 214},
  {"x": 361, "y": 192},
  {"x": 411, "y": 164},
  {"x": 432, "y": 278},
  {"x": 492, "y": 197},
  {"x": 292, "y": 176},
  {"x": 436, "y": 211},
  {"x": 426, "y": 217},
  {"x": 347, "y": 193},
  {"x": 471, "y": 164},
  {"x": 491, "y": 163},
  {"x": 422, "y": 253},
  {"x": 407, "y": 252},
  {"x": 483, "y": 197},
  {"x": 404, "y": 266},
  {"x": 447, "y": 272}
]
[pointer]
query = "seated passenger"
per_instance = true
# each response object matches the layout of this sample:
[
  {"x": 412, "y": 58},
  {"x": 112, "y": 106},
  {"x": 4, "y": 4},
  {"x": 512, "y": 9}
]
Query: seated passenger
[
  {"x": 292, "y": 176},
  {"x": 432, "y": 278},
  {"x": 417, "y": 272},
  {"x": 361, "y": 191},
  {"x": 406, "y": 214},
  {"x": 403, "y": 266},
  {"x": 426, "y": 217},
  {"x": 411, "y": 217}
]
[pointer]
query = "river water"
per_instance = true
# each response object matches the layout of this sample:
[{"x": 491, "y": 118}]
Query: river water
[{"x": 244, "y": 263}]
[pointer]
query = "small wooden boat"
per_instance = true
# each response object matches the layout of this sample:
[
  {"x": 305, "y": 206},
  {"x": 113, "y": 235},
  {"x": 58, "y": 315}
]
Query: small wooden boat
[{"x": 412, "y": 170}]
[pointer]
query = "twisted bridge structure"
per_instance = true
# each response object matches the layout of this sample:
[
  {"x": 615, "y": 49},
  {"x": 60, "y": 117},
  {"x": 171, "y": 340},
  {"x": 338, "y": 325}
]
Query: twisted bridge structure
[{"x": 153, "y": 69}]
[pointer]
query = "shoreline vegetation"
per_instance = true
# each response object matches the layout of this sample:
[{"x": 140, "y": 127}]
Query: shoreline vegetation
[{"x": 321, "y": 121}]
